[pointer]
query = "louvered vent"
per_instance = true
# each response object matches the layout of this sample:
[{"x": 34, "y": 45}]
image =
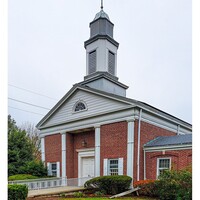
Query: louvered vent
[
  {"x": 92, "y": 62},
  {"x": 111, "y": 63}
]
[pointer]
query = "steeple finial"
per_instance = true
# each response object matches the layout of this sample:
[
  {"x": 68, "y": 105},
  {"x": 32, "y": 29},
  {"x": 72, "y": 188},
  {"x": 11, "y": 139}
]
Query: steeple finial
[{"x": 101, "y": 4}]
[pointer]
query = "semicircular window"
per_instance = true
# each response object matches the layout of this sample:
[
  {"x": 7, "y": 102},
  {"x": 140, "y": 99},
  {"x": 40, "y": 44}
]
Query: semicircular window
[{"x": 79, "y": 106}]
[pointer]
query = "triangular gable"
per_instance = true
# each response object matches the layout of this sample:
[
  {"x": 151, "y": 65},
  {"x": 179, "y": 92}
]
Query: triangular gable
[{"x": 97, "y": 103}]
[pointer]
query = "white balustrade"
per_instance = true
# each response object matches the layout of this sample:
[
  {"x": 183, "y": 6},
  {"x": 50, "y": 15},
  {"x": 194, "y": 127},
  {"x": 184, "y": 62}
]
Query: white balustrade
[{"x": 45, "y": 183}]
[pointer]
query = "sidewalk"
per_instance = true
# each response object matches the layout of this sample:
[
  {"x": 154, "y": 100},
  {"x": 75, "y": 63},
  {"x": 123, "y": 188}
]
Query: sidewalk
[{"x": 58, "y": 190}]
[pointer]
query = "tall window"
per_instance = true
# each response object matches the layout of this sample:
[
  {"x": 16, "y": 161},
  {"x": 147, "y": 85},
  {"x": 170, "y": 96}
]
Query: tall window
[
  {"x": 111, "y": 62},
  {"x": 162, "y": 165},
  {"x": 92, "y": 62},
  {"x": 113, "y": 167}
]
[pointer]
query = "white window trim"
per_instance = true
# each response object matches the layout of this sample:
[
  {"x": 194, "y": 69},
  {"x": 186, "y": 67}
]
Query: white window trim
[
  {"x": 116, "y": 168},
  {"x": 49, "y": 166},
  {"x": 107, "y": 166},
  {"x": 158, "y": 160}
]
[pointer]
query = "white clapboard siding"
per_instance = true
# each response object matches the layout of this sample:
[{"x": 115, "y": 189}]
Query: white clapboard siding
[{"x": 95, "y": 104}]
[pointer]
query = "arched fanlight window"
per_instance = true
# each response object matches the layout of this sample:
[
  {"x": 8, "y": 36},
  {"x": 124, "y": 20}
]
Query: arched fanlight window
[{"x": 79, "y": 106}]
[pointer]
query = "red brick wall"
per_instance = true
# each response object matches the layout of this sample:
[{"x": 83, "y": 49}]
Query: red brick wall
[
  {"x": 113, "y": 143},
  {"x": 179, "y": 160},
  {"x": 70, "y": 155},
  {"x": 147, "y": 132},
  {"x": 53, "y": 149},
  {"x": 89, "y": 137}
]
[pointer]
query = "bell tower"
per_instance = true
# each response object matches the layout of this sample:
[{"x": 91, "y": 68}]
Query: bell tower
[{"x": 101, "y": 48}]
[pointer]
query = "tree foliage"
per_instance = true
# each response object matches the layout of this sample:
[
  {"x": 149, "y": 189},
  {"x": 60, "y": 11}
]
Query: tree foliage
[
  {"x": 33, "y": 135},
  {"x": 23, "y": 151},
  {"x": 20, "y": 149}
]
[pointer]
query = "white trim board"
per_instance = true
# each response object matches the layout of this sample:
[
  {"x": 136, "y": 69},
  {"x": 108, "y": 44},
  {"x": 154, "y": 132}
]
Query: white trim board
[{"x": 167, "y": 148}]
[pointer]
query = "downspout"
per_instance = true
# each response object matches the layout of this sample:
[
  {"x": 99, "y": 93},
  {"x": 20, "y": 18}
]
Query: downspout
[
  {"x": 144, "y": 164},
  {"x": 138, "y": 151}
]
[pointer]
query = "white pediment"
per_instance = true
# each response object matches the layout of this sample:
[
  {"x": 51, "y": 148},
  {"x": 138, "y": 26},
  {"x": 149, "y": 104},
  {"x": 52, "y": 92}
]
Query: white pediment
[{"x": 97, "y": 104}]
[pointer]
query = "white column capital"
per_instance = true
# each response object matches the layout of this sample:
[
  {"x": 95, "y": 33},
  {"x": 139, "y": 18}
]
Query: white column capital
[
  {"x": 63, "y": 132},
  {"x": 131, "y": 119},
  {"x": 97, "y": 126}
]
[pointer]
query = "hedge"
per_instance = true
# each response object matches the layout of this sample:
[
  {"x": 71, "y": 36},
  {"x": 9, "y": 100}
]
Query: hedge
[
  {"x": 21, "y": 177},
  {"x": 110, "y": 184},
  {"x": 175, "y": 185},
  {"x": 17, "y": 192},
  {"x": 172, "y": 185},
  {"x": 35, "y": 168}
]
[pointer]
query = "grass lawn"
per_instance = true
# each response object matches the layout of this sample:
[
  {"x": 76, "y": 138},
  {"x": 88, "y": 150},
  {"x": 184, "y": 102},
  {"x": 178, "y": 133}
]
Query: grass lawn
[{"x": 100, "y": 198}]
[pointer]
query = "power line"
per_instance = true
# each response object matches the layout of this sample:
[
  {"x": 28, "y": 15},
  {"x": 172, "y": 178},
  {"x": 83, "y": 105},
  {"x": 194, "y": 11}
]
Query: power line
[
  {"x": 28, "y": 103},
  {"x": 25, "y": 110},
  {"x": 32, "y": 92}
]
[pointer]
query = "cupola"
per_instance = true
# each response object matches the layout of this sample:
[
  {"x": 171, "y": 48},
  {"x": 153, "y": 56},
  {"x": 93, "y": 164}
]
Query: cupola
[
  {"x": 101, "y": 48},
  {"x": 101, "y": 56}
]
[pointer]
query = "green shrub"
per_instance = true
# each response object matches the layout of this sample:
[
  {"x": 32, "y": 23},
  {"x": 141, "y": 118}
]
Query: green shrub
[
  {"x": 99, "y": 193},
  {"x": 21, "y": 177},
  {"x": 110, "y": 184},
  {"x": 78, "y": 194},
  {"x": 35, "y": 168},
  {"x": 173, "y": 185},
  {"x": 17, "y": 192}
]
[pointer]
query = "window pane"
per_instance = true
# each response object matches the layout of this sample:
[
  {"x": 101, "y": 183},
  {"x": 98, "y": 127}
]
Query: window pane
[
  {"x": 113, "y": 167},
  {"x": 54, "y": 173},
  {"x": 80, "y": 106},
  {"x": 164, "y": 163},
  {"x": 53, "y": 166}
]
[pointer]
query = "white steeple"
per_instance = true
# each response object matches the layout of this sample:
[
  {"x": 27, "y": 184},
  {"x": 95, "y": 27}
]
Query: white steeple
[
  {"x": 101, "y": 48},
  {"x": 101, "y": 57}
]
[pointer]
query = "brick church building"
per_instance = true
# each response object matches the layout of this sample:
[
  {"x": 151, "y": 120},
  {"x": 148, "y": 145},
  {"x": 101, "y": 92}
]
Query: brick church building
[{"x": 95, "y": 130}]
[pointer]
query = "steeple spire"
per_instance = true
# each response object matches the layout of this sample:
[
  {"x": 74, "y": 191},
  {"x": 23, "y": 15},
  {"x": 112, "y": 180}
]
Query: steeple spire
[{"x": 101, "y": 4}]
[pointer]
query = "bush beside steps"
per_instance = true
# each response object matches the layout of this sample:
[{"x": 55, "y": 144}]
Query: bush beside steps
[
  {"x": 21, "y": 177},
  {"x": 109, "y": 184},
  {"x": 17, "y": 192}
]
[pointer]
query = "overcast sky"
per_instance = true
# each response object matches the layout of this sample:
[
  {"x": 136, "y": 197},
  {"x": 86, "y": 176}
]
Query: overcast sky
[{"x": 47, "y": 55}]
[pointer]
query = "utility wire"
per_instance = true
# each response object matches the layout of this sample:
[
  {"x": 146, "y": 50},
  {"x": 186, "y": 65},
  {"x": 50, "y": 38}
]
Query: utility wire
[
  {"x": 32, "y": 92},
  {"x": 25, "y": 110},
  {"x": 28, "y": 103}
]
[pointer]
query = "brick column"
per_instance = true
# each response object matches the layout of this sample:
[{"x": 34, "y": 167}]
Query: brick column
[
  {"x": 130, "y": 148},
  {"x": 97, "y": 151}
]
